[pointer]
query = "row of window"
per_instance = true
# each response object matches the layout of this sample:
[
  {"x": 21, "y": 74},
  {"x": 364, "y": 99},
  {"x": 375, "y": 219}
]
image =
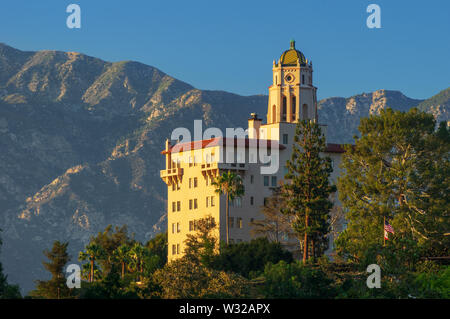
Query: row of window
[
  {"x": 193, "y": 183},
  {"x": 193, "y": 203}
]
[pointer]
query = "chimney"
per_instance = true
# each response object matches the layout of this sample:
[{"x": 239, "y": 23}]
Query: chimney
[
  {"x": 254, "y": 124},
  {"x": 168, "y": 155}
]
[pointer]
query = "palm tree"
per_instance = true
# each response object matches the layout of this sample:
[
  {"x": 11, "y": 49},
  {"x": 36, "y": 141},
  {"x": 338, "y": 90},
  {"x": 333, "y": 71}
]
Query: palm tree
[
  {"x": 229, "y": 184},
  {"x": 137, "y": 254},
  {"x": 92, "y": 253},
  {"x": 121, "y": 254}
]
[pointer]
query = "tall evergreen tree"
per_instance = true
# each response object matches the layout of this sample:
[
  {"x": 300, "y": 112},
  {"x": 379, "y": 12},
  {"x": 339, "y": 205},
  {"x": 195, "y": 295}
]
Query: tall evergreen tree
[
  {"x": 398, "y": 170},
  {"x": 307, "y": 190},
  {"x": 7, "y": 291},
  {"x": 56, "y": 287}
]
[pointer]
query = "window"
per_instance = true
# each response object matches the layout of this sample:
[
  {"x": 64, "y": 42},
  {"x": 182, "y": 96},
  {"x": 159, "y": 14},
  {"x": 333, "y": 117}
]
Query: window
[
  {"x": 206, "y": 180},
  {"x": 239, "y": 222},
  {"x": 195, "y": 182},
  {"x": 274, "y": 181},
  {"x": 190, "y": 161},
  {"x": 173, "y": 228},
  {"x": 251, "y": 220},
  {"x": 230, "y": 222},
  {"x": 178, "y": 227},
  {"x": 190, "y": 204},
  {"x": 285, "y": 170},
  {"x": 178, "y": 249},
  {"x": 284, "y": 109},
  {"x": 190, "y": 182},
  {"x": 174, "y": 206},
  {"x": 195, "y": 203},
  {"x": 212, "y": 201},
  {"x": 252, "y": 201},
  {"x": 303, "y": 79},
  {"x": 251, "y": 179},
  {"x": 207, "y": 201},
  {"x": 174, "y": 249},
  {"x": 285, "y": 138},
  {"x": 191, "y": 225},
  {"x": 294, "y": 107},
  {"x": 178, "y": 206},
  {"x": 266, "y": 180},
  {"x": 266, "y": 201},
  {"x": 174, "y": 187}
]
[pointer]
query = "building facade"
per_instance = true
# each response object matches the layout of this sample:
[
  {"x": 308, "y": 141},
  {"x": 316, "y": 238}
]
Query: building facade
[{"x": 191, "y": 167}]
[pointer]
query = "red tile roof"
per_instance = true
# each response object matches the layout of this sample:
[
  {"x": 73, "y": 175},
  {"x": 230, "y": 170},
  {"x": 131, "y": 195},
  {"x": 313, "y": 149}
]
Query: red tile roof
[{"x": 220, "y": 141}]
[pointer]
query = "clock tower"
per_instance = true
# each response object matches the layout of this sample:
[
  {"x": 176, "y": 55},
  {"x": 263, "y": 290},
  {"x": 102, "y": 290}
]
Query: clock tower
[{"x": 292, "y": 96}]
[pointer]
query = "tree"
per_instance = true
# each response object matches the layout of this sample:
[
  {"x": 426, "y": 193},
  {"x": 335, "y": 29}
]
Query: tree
[
  {"x": 275, "y": 225},
  {"x": 109, "y": 240},
  {"x": 7, "y": 291},
  {"x": 296, "y": 280},
  {"x": 137, "y": 255},
  {"x": 158, "y": 246},
  {"x": 229, "y": 184},
  {"x": 92, "y": 253},
  {"x": 201, "y": 246},
  {"x": 307, "y": 190},
  {"x": 248, "y": 258},
  {"x": 397, "y": 170},
  {"x": 184, "y": 278},
  {"x": 56, "y": 287},
  {"x": 121, "y": 254}
]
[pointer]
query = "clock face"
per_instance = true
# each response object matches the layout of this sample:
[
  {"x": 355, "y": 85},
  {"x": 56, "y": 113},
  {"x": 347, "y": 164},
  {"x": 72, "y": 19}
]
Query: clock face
[{"x": 289, "y": 78}]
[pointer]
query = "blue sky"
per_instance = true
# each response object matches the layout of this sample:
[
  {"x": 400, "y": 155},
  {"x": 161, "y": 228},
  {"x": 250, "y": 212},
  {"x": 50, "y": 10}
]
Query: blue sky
[{"x": 230, "y": 45}]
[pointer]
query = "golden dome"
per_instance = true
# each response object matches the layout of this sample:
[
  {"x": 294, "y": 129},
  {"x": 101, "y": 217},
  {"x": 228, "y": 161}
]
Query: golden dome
[{"x": 289, "y": 57}]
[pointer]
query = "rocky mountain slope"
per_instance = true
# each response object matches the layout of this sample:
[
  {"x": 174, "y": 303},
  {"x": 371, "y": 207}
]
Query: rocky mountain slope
[{"x": 80, "y": 142}]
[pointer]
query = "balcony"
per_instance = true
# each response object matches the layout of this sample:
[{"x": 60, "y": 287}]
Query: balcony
[{"x": 171, "y": 175}]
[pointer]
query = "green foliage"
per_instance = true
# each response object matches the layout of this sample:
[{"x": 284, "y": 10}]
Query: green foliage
[
  {"x": 231, "y": 185},
  {"x": 248, "y": 258},
  {"x": 7, "y": 291},
  {"x": 56, "y": 287},
  {"x": 296, "y": 280},
  {"x": 202, "y": 246},
  {"x": 307, "y": 189},
  {"x": 184, "y": 278},
  {"x": 398, "y": 170},
  {"x": 158, "y": 246}
]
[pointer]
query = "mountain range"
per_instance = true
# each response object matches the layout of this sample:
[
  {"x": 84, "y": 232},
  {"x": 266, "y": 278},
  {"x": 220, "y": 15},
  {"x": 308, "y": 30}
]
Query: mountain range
[{"x": 80, "y": 142}]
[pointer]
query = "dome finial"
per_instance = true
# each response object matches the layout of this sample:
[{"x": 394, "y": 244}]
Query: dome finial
[{"x": 292, "y": 44}]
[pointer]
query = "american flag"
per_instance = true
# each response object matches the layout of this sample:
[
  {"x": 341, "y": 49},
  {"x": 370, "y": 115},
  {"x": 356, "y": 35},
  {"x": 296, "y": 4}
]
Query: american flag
[{"x": 388, "y": 227}]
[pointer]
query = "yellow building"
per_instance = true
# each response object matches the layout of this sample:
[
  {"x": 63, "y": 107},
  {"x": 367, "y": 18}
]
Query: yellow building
[{"x": 191, "y": 167}]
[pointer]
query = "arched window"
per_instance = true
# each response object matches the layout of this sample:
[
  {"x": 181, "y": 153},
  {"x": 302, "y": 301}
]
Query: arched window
[
  {"x": 284, "y": 109},
  {"x": 305, "y": 111},
  {"x": 303, "y": 79},
  {"x": 294, "y": 107},
  {"x": 274, "y": 113}
]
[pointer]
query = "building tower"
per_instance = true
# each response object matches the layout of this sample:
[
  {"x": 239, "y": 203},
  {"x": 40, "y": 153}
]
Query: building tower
[{"x": 292, "y": 96}]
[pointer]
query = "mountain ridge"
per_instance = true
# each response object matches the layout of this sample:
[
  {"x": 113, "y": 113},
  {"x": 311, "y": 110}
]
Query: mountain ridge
[{"x": 81, "y": 140}]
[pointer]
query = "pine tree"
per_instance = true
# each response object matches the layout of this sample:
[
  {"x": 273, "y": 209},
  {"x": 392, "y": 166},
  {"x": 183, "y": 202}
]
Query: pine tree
[
  {"x": 307, "y": 190},
  {"x": 398, "y": 170},
  {"x": 56, "y": 287},
  {"x": 7, "y": 291}
]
